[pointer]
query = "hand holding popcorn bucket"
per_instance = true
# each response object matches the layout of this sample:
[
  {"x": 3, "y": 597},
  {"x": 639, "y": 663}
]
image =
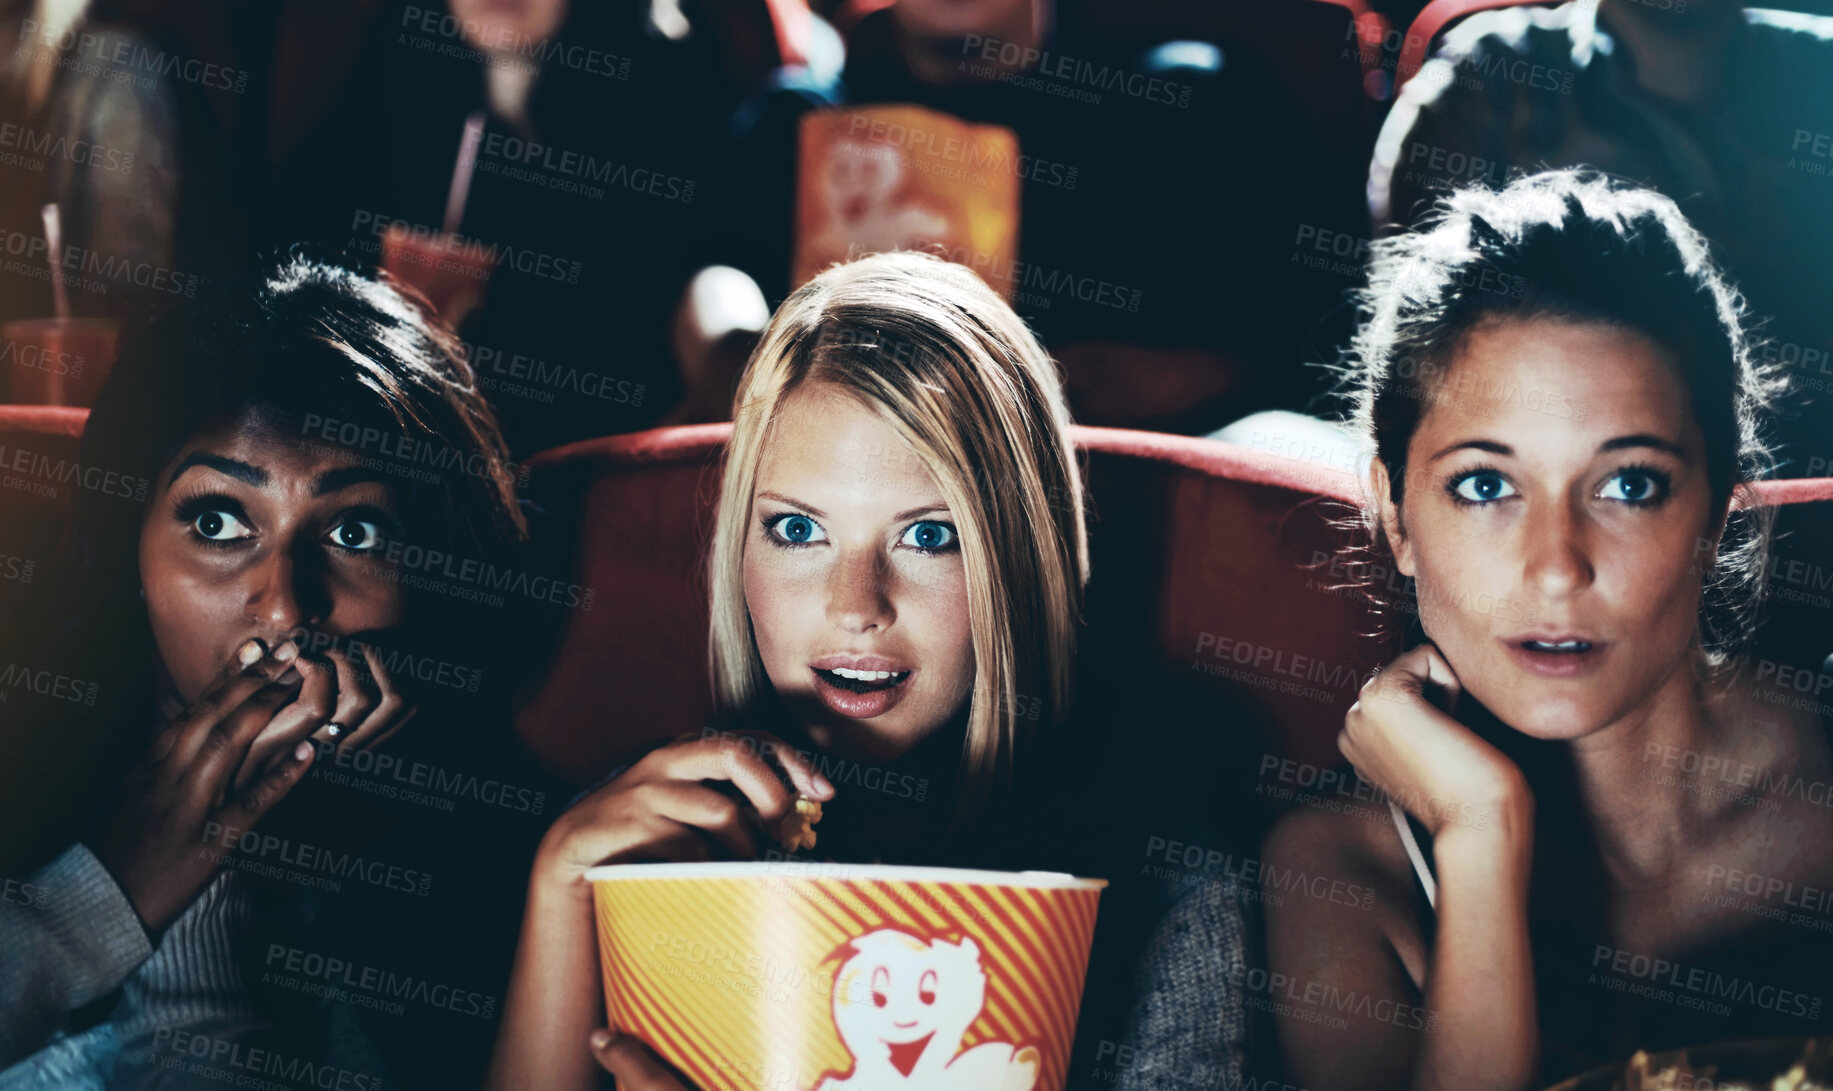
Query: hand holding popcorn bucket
[{"x": 799, "y": 976}]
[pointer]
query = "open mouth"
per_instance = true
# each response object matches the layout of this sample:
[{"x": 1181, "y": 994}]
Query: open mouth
[
  {"x": 1562, "y": 647},
  {"x": 1556, "y": 655},
  {"x": 857, "y": 681},
  {"x": 860, "y": 687}
]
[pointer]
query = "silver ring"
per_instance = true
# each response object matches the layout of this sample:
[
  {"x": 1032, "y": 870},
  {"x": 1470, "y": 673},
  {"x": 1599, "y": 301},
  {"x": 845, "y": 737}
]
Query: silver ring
[{"x": 334, "y": 729}]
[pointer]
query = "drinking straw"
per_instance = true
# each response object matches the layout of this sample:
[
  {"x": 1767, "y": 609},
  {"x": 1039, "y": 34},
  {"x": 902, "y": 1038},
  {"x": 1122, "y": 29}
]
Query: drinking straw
[
  {"x": 54, "y": 240},
  {"x": 461, "y": 171}
]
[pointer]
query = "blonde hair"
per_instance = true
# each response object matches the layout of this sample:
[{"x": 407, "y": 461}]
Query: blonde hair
[{"x": 948, "y": 365}]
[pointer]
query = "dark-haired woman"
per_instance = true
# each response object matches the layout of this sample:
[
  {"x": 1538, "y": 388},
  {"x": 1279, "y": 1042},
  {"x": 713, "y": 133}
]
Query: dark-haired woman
[
  {"x": 247, "y": 621},
  {"x": 1565, "y": 414}
]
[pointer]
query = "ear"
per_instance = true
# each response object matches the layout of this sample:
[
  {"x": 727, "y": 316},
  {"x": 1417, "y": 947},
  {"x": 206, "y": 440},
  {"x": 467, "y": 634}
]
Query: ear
[{"x": 1381, "y": 500}]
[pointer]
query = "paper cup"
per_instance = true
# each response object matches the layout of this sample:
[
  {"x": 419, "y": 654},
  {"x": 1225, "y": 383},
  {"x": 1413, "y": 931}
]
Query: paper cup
[
  {"x": 821, "y": 977},
  {"x": 451, "y": 271},
  {"x": 58, "y": 361}
]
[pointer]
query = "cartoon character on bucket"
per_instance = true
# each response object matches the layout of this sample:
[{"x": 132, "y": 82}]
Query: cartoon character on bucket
[{"x": 902, "y": 1006}]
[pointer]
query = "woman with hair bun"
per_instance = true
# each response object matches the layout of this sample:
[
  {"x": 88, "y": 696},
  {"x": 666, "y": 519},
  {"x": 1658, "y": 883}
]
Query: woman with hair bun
[{"x": 1565, "y": 416}]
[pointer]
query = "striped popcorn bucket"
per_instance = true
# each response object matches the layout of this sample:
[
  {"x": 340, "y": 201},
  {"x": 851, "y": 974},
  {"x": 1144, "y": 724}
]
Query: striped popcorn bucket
[{"x": 840, "y": 977}]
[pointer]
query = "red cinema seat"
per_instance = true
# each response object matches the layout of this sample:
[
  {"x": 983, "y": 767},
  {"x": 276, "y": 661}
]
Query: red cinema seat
[
  {"x": 1213, "y": 558},
  {"x": 1200, "y": 547},
  {"x": 40, "y": 449}
]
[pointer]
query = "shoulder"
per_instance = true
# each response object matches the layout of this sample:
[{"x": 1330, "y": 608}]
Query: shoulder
[
  {"x": 1486, "y": 69},
  {"x": 1542, "y": 32},
  {"x": 1809, "y": 36},
  {"x": 1358, "y": 838},
  {"x": 1347, "y": 871},
  {"x": 1789, "y": 53}
]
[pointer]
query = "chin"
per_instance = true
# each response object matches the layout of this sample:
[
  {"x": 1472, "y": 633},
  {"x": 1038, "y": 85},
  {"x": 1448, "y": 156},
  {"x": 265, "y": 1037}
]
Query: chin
[{"x": 1551, "y": 720}]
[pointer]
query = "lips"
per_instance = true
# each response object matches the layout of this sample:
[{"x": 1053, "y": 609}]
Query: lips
[
  {"x": 860, "y": 686},
  {"x": 1555, "y": 654}
]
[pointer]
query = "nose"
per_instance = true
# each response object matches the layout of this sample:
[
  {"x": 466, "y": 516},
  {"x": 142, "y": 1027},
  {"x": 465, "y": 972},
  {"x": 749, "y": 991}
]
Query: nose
[
  {"x": 858, "y": 600},
  {"x": 285, "y": 593},
  {"x": 1557, "y": 558}
]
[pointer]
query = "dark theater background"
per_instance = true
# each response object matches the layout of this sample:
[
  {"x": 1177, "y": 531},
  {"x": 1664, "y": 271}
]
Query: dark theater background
[{"x": 584, "y": 214}]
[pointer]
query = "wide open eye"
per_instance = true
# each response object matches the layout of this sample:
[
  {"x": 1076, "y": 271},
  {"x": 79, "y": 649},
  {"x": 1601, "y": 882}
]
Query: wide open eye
[
  {"x": 216, "y": 525},
  {"x": 926, "y": 988},
  {"x": 796, "y": 530},
  {"x": 1481, "y": 487},
  {"x": 1636, "y": 485},
  {"x": 881, "y": 986},
  {"x": 356, "y": 534},
  {"x": 929, "y": 536}
]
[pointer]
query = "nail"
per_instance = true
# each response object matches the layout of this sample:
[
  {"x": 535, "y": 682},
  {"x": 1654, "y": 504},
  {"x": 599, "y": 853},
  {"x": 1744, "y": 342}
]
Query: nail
[
  {"x": 286, "y": 653},
  {"x": 302, "y": 751},
  {"x": 824, "y": 786},
  {"x": 601, "y": 1038},
  {"x": 250, "y": 653}
]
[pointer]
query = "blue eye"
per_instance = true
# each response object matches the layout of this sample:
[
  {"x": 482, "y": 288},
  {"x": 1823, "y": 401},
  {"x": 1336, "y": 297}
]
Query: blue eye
[
  {"x": 1481, "y": 487},
  {"x": 796, "y": 530},
  {"x": 356, "y": 534},
  {"x": 1636, "y": 485},
  {"x": 929, "y": 536},
  {"x": 219, "y": 526}
]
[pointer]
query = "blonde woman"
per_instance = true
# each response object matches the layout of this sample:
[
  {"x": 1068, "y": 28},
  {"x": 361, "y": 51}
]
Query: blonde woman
[{"x": 896, "y": 584}]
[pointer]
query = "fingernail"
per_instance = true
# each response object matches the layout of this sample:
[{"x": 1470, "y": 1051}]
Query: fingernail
[
  {"x": 302, "y": 751},
  {"x": 286, "y": 653},
  {"x": 601, "y": 1038},
  {"x": 824, "y": 786},
  {"x": 250, "y": 653}
]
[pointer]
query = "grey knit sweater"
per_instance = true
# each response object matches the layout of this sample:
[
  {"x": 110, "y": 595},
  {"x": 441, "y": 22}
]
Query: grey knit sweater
[
  {"x": 69, "y": 938},
  {"x": 1189, "y": 1025}
]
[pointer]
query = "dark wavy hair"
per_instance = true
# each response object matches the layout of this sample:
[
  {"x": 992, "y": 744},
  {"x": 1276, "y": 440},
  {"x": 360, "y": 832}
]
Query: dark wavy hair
[
  {"x": 305, "y": 337},
  {"x": 302, "y": 335},
  {"x": 1582, "y": 246}
]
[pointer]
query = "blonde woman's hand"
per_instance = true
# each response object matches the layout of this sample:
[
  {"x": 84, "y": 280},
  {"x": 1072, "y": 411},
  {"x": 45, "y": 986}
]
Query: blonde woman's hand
[
  {"x": 665, "y": 806},
  {"x": 1401, "y": 738},
  {"x": 635, "y": 1065}
]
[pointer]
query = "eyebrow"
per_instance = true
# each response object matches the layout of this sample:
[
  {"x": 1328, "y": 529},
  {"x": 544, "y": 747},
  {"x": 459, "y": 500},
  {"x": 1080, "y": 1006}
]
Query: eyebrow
[
  {"x": 328, "y": 482},
  {"x": 1644, "y": 439},
  {"x": 342, "y": 478},
  {"x": 229, "y": 467},
  {"x": 914, "y": 512},
  {"x": 910, "y": 513},
  {"x": 793, "y": 502},
  {"x": 1489, "y": 445},
  {"x": 1618, "y": 443}
]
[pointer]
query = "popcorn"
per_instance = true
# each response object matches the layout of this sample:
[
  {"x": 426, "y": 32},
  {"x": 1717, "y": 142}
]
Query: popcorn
[{"x": 796, "y": 830}]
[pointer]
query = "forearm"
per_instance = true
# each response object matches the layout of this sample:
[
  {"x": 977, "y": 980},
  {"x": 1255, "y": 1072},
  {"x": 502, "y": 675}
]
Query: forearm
[
  {"x": 67, "y": 937},
  {"x": 1480, "y": 988},
  {"x": 554, "y": 999}
]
